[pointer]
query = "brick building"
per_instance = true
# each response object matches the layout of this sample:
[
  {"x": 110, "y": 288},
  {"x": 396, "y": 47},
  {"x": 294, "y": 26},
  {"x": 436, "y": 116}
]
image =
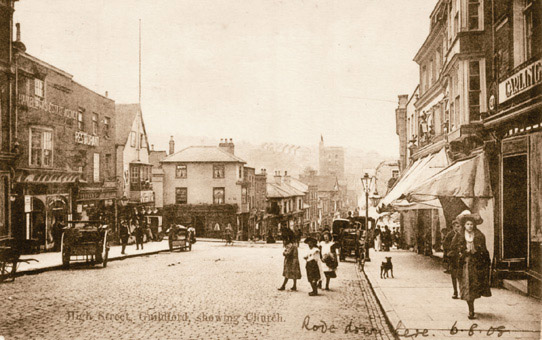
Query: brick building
[{"x": 65, "y": 167}]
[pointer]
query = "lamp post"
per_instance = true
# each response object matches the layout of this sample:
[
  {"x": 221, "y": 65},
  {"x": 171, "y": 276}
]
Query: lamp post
[{"x": 366, "y": 181}]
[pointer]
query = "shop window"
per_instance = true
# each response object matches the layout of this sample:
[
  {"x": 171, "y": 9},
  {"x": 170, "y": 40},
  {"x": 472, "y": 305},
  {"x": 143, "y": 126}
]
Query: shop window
[
  {"x": 218, "y": 171},
  {"x": 181, "y": 171},
  {"x": 80, "y": 119},
  {"x": 474, "y": 90},
  {"x": 41, "y": 147},
  {"x": 218, "y": 196},
  {"x": 134, "y": 175},
  {"x": 107, "y": 126},
  {"x": 95, "y": 124},
  {"x": 39, "y": 88},
  {"x": 181, "y": 196}
]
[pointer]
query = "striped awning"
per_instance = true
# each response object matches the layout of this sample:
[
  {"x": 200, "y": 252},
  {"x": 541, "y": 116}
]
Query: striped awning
[{"x": 45, "y": 177}]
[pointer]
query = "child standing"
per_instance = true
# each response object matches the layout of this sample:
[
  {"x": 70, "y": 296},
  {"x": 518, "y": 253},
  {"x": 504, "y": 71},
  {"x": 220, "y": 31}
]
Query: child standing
[{"x": 313, "y": 270}]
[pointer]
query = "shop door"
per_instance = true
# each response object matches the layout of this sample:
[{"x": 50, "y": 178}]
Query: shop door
[
  {"x": 515, "y": 207},
  {"x": 199, "y": 224}
]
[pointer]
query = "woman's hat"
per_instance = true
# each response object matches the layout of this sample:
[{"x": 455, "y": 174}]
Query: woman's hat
[
  {"x": 467, "y": 215},
  {"x": 310, "y": 239}
]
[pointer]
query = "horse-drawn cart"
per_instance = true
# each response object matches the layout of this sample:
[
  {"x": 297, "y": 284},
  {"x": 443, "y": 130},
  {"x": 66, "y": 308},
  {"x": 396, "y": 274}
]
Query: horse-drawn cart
[
  {"x": 85, "y": 241},
  {"x": 10, "y": 252}
]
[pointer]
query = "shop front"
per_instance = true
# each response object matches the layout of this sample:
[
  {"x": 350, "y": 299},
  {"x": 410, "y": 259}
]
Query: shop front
[
  {"x": 96, "y": 203},
  {"x": 515, "y": 123},
  {"x": 42, "y": 206}
]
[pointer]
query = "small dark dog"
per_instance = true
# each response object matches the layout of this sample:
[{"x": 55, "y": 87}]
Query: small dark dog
[{"x": 386, "y": 268}]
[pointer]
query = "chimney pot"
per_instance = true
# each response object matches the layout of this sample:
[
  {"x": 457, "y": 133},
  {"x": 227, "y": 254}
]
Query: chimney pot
[
  {"x": 18, "y": 26},
  {"x": 107, "y": 94}
]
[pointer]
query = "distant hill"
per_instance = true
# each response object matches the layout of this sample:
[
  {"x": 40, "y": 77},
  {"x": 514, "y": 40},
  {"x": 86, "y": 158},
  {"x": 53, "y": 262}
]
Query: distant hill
[{"x": 283, "y": 157}]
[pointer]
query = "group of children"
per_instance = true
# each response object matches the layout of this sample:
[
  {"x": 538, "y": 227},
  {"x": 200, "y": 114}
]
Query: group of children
[{"x": 321, "y": 261}]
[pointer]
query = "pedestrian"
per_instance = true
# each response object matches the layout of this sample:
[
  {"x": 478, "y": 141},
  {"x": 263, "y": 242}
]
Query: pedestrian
[
  {"x": 138, "y": 231},
  {"x": 451, "y": 259},
  {"x": 124, "y": 233},
  {"x": 386, "y": 239},
  {"x": 58, "y": 228},
  {"x": 291, "y": 268},
  {"x": 228, "y": 235},
  {"x": 313, "y": 265},
  {"x": 378, "y": 239},
  {"x": 469, "y": 245},
  {"x": 192, "y": 234},
  {"x": 328, "y": 249}
]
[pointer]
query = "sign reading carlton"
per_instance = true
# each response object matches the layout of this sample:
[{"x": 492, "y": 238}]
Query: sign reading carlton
[{"x": 521, "y": 81}]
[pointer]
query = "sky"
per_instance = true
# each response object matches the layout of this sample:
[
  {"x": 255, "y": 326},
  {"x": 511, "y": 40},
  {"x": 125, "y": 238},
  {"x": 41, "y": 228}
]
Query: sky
[{"x": 255, "y": 70}]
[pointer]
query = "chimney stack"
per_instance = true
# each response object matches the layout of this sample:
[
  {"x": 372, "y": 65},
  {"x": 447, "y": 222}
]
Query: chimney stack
[
  {"x": 278, "y": 178},
  {"x": 18, "y": 44},
  {"x": 106, "y": 94},
  {"x": 171, "y": 146},
  {"x": 227, "y": 146}
]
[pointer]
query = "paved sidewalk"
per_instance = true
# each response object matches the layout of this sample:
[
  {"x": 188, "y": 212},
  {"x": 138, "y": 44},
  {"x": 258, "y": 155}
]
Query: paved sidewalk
[
  {"x": 420, "y": 297},
  {"x": 53, "y": 260}
]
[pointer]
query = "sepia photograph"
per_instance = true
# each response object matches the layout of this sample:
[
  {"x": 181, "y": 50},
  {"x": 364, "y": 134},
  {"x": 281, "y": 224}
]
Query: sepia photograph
[{"x": 270, "y": 169}]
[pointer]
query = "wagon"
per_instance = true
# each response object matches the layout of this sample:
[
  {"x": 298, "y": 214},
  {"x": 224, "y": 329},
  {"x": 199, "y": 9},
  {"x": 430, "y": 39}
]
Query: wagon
[
  {"x": 178, "y": 238},
  {"x": 85, "y": 241},
  {"x": 10, "y": 252}
]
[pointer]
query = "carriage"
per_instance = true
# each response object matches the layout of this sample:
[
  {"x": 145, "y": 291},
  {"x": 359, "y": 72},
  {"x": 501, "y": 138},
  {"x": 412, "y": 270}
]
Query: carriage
[
  {"x": 10, "y": 252},
  {"x": 178, "y": 238},
  {"x": 85, "y": 241}
]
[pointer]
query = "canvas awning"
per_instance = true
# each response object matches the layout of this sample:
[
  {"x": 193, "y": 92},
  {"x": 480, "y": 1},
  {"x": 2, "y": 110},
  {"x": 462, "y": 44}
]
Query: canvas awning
[
  {"x": 419, "y": 171},
  {"x": 464, "y": 179},
  {"x": 47, "y": 177}
]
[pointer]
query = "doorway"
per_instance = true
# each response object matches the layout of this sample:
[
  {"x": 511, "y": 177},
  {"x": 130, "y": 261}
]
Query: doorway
[{"x": 514, "y": 207}]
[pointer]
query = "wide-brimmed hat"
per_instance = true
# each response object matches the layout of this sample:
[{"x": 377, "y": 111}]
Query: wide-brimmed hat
[
  {"x": 310, "y": 239},
  {"x": 467, "y": 215}
]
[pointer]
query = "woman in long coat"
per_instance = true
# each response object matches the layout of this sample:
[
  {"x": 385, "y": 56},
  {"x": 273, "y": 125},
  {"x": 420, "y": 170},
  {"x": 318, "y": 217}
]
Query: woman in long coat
[
  {"x": 291, "y": 259},
  {"x": 469, "y": 247}
]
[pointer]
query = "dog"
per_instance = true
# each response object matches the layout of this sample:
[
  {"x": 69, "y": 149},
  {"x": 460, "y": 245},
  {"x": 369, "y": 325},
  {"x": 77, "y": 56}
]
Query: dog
[{"x": 386, "y": 268}]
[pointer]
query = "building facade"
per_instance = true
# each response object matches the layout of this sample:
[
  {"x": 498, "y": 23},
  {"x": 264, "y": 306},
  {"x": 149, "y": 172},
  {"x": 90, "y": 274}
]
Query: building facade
[
  {"x": 286, "y": 206},
  {"x": 65, "y": 168},
  {"x": 134, "y": 169},
  {"x": 8, "y": 140},
  {"x": 203, "y": 186},
  {"x": 514, "y": 120}
]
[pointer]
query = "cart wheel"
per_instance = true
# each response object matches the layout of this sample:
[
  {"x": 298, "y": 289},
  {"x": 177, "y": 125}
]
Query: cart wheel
[{"x": 7, "y": 270}]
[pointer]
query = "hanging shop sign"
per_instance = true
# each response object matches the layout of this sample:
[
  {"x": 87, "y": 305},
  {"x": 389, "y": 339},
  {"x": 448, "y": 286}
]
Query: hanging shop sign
[
  {"x": 521, "y": 81},
  {"x": 86, "y": 139}
]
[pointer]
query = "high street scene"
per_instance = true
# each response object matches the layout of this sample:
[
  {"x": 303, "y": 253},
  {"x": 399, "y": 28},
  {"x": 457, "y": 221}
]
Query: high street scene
[{"x": 270, "y": 169}]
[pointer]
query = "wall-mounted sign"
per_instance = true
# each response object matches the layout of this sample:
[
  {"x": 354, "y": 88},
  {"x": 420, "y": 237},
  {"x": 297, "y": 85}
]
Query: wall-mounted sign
[
  {"x": 84, "y": 138},
  {"x": 147, "y": 196},
  {"x": 524, "y": 79},
  {"x": 38, "y": 103},
  {"x": 27, "y": 203}
]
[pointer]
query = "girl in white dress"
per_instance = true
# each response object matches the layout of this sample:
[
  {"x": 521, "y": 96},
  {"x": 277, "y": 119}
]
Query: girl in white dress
[{"x": 328, "y": 250}]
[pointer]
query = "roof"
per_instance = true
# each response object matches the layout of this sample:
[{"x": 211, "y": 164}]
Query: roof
[
  {"x": 156, "y": 156},
  {"x": 283, "y": 190},
  {"x": 298, "y": 185},
  {"x": 125, "y": 115},
  {"x": 202, "y": 154}
]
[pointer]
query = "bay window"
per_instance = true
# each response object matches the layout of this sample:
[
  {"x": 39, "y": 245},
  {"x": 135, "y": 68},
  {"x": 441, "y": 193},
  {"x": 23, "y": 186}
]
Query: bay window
[
  {"x": 474, "y": 15},
  {"x": 474, "y": 90}
]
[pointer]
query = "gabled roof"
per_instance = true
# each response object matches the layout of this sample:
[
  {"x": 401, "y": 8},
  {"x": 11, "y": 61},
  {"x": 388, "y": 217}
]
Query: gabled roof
[
  {"x": 298, "y": 185},
  {"x": 202, "y": 154},
  {"x": 125, "y": 115}
]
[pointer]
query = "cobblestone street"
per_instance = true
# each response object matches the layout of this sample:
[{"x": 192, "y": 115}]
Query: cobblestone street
[{"x": 213, "y": 292}]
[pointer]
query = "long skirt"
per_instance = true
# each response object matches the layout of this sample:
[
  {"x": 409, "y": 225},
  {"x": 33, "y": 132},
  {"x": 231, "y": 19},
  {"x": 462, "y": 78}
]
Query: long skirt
[
  {"x": 313, "y": 271},
  {"x": 473, "y": 279}
]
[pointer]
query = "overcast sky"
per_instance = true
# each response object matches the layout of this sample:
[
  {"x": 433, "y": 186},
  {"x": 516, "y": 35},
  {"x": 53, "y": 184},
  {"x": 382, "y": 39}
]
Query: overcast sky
[{"x": 256, "y": 70}]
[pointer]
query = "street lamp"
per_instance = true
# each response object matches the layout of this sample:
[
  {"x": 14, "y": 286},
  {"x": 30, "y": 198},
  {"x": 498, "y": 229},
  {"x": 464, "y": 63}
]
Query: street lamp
[{"x": 366, "y": 181}]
